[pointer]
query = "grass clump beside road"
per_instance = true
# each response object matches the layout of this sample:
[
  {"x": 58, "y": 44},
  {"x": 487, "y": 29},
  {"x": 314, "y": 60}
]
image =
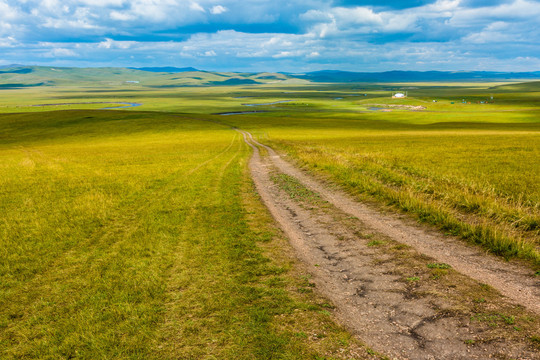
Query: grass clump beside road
[
  {"x": 438, "y": 266},
  {"x": 295, "y": 189},
  {"x": 127, "y": 235}
]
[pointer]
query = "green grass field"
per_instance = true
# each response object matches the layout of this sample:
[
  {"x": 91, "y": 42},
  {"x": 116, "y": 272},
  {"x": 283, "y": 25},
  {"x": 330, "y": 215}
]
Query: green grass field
[
  {"x": 137, "y": 233},
  {"x": 471, "y": 169}
]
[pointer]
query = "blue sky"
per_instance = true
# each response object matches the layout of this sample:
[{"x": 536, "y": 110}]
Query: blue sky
[{"x": 274, "y": 35}]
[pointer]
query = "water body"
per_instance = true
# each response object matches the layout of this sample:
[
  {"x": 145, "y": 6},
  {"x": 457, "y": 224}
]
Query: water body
[
  {"x": 271, "y": 103},
  {"x": 240, "y": 112},
  {"x": 377, "y": 109},
  {"x": 122, "y": 104},
  {"x": 338, "y": 98}
]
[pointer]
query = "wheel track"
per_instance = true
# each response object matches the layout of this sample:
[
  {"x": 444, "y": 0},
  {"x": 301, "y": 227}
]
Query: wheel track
[
  {"x": 106, "y": 236},
  {"x": 370, "y": 298},
  {"x": 511, "y": 280}
]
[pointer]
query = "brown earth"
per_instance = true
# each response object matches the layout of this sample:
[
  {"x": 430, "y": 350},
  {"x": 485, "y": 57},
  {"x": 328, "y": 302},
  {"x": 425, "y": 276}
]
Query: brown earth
[
  {"x": 399, "y": 107},
  {"x": 388, "y": 279}
]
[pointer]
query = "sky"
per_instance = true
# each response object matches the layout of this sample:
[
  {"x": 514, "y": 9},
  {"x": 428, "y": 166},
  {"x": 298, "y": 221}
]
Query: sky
[{"x": 274, "y": 35}]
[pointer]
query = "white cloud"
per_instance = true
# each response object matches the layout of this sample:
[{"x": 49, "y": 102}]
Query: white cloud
[
  {"x": 323, "y": 30},
  {"x": 121, "y": 16},
  {"x": 7, "y": 12},
  {"x": 107, "y": 44},
  {"x": 497, "y": 33},
  {"x": 8, "y": 42},
  {"x": 444, "y": 5},
  {"x": 61, "y": 52},
  {"x": 112, "y": 44},
  {"x": 356, "y": 16},
  {"x": 287, "y": 54},
  {"x": 445, "y": 33},
  {"x": 80, "y": 24},
  {"x": 218, "y": 9},
  {"x": 401, "y": 22},
  {"x": 103, "y": 3},
  {"x": 50, "y": 4},
  {"x": 196, "y": 7},
  {"x": 515, "y": 11}
]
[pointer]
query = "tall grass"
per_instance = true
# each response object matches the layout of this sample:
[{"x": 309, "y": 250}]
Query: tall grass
[{"x": 482, "y": 187}]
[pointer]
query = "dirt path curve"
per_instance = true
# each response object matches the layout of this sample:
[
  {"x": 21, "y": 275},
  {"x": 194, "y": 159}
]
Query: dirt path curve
[
  {"x": 363, "y": 283},
  {"x": 512, "y": 281}
]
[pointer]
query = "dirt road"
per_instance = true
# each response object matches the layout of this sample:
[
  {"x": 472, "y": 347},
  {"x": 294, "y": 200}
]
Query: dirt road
[{"x": 383, "y": 291}]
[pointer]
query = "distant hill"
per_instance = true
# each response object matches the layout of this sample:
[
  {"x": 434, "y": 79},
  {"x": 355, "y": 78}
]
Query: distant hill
[
  {"x": 333, "y": 76},
  {"x": 14, "y": 76},
  {"x": 10, "y": 66},
  {"x": 156, "y": 77},
  {"x": 166, "y": 69},
  {"x": 236, "y": 81},
  {"x": 17, "y": 71},
  {"x": 67, "y": 76},
  {"x": 532, "y": 86}
]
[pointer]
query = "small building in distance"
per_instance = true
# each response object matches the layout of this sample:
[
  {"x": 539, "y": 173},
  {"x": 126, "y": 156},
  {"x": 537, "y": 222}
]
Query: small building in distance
[{"x": 399, "y": 95}]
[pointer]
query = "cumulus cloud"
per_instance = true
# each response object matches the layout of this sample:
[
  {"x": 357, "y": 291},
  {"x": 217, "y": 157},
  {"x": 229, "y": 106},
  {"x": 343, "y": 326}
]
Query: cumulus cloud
[
  {"x": 62, "y": 52},
  {"x": 7, "y": 12},
  {"x": 196, "y": 7},
  {"x": 103, "y": 3},
  {"x": 283, "y": 54},
  {"x": 515, "y": 11},
  {"x": 112, "y": 44},
  {"x": 121, "y": 16},
  {"x": 271, "y": 35},
  {"x": 218, "y": 9},
  {"x": 8, "y": 42}
]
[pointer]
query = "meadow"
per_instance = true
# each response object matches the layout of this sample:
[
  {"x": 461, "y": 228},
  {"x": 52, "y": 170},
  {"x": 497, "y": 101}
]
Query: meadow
[
  {"x": 136, "y": 233},
  {"x": 470, "y": 169}
]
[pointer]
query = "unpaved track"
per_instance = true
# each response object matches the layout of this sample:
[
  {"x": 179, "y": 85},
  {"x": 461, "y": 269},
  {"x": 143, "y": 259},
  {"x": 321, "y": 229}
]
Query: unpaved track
[
  {"x": 511, "y": 280},
  {"x": 371, "y": 300}
]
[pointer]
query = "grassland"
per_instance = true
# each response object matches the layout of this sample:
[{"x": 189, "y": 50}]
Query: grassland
[
  {"x": 136, "y": 233},
  {"x": 468, "y": 167},
  {"x": 471, "y": 169}
]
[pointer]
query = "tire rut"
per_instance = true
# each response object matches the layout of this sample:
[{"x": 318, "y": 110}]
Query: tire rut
[
  {"x": 513, "y": 281},
  {"x": 369, "y": 295}
]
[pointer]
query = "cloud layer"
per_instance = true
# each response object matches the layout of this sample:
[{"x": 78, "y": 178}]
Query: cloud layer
[{"x": 277, "y": 35}]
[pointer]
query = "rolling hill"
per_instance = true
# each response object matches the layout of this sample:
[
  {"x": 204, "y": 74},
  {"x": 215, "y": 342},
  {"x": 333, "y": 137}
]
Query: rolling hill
[{"x": 14, "y": 76}]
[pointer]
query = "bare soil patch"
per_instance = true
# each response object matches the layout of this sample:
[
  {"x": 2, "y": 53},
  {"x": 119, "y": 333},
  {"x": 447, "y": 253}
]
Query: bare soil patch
[{"x": 399, "y": 107}]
